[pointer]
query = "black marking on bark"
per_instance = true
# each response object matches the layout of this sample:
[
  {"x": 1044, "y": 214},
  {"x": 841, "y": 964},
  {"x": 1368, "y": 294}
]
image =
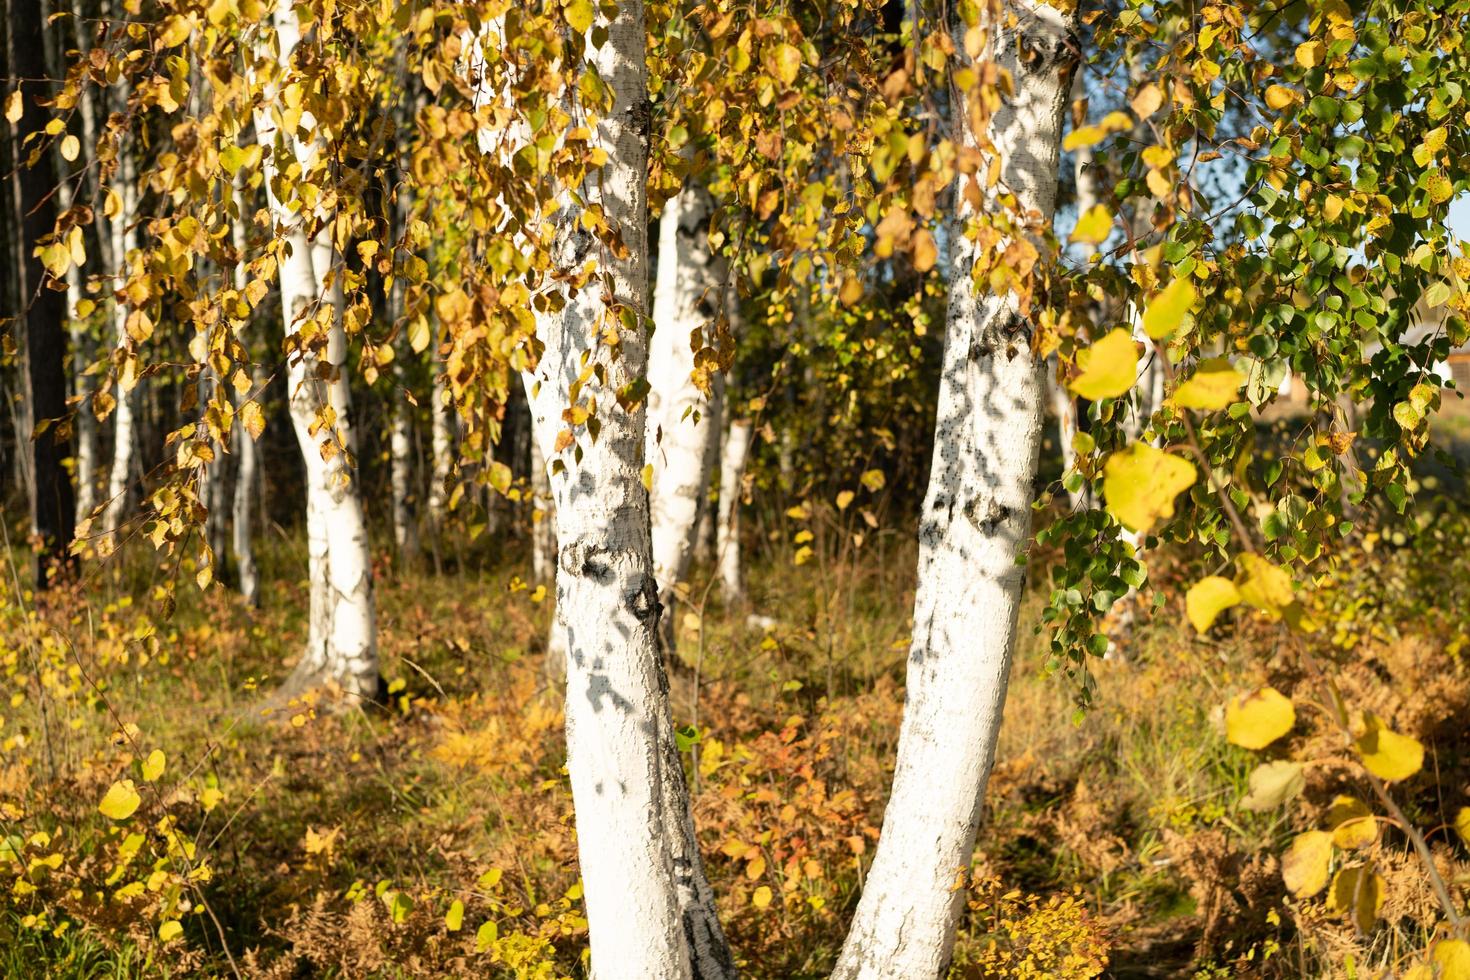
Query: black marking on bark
[
  {"x": 642, "y": 600},
  {"x": 586, "y": 560},
  {"x": 984, "y": 513},
  {"x": 640, "y": 117}
]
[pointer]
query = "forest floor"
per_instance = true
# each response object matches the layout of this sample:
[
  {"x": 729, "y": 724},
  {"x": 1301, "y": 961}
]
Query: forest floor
[{"x": 433, "y": 837}]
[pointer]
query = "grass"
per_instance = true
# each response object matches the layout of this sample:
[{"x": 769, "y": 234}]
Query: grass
[{"x": 342, "y": 839}]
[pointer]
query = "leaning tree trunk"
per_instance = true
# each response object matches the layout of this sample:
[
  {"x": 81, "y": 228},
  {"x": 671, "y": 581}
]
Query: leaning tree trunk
[
  {"x": 680, "y": 416},
  {"x": 975, "y": 523},
  {"x": 53, "y": 507},
  {"x": 341, "y": 644}
]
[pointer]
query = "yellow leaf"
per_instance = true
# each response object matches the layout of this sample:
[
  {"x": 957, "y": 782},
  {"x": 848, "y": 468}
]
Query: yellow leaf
[
  {"x": 1439, "y": 187},
  {"x": 1351, "y": 823},
  {"x": 1358, "y": 891},
  {"x": 1278, "y": 97},
  {"x": 784, "y": 62},
  {"x": 852, "y": 290},
  {"x": 579, "y": 15},
  {"x": 454, "y": 918},
  {"x": 1263, "y": 585},
  {"x": 1462, "y": 824},
  {"x": 1109, "y": 367},
  {"x": 253, "y": 418},
  {"x": 1147, "y": 101},
  {"x": 1094, "y": 227},
  {"x": 1141, "y": 482},
  {"x": 1083, "y": 136},
  {"x": 1304, "y": 865},
  {"x": 14, "y": 107},
  {"x": 925, "y": 252},
  {"x": 874, "y": 480},
  {"x": 1215, "y": 384},
  {"x": 153, "y": 765},
  {"x": 1453, "y": 957},
  {"x": 170, "y": 930},
  {"x": 755, "y": 868},
  {"x": 486, "y": 936},
  {"x": 1309, "y": 53},
  {"x": 1255, "y": 719},
  {"x": 1166, "y": 310},
  {"x": 70, "y": 147},
  {"x": 844, "y": 499},
  {"x": 1387, "y": 754},
  {"x": 120, "y": 801},
  {"x": 1207, "y": 599},
  {"x": 761, "y": 898}
]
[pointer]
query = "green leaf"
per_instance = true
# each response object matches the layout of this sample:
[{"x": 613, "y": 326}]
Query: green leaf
[
  {"x": 454, "y": 918},
  {"x": 486, "y": 936},
  {"x": 1109, "y": 367}
]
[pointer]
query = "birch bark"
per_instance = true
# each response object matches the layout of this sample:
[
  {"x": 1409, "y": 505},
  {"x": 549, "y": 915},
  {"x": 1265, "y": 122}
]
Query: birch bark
[
  {"x": 342, "y": 632},
  {"x": 975, "y": 523},
  {"x": 727, "y": 540},
  {"x": 607, "y": 600},
  {"x": 680, "y": 416},
  {"x": 124, "y": 435}
]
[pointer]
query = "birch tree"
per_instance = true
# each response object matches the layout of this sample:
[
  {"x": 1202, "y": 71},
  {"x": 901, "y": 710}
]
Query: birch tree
[
  {"x": 975, "y": 522},
  {"x": 341, "y": 645},
  {"x": 680, "y": 415}
]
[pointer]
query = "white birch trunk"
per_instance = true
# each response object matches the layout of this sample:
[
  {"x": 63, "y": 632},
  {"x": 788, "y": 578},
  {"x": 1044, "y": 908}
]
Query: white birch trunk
[
  {"x": 607, "y": 601},
  {"x": 400, "y": 436},
  {"x": 727, "y": 539},
  {"x": 976, "y": 521},
  {"x": 714, "y": 433},
  {"x": 124, "y": 435},
  {"x": 342, "y": 634},
  {"x": 441, "y": 452},
  {"x": 680, "y": 416}
]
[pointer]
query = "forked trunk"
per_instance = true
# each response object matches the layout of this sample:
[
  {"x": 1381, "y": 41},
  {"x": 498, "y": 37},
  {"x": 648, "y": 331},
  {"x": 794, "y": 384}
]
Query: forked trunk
[{"x": 975, "y": 523}]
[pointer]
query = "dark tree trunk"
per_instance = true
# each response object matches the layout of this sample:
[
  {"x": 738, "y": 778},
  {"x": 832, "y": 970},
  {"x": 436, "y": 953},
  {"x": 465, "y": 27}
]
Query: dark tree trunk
[{"x": 52, "y": 506}]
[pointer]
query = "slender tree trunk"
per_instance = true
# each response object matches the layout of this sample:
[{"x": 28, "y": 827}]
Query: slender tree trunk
[
  {"x": 680, "y": 416},
  {"x": 714, "y": 433},
  {"x": 124, "y": 416},
  {"x": 400, "y": 438},
  {"x": 53, "y": 507},
  {"x": 975, "y": 523},
  {"x": 247, "y": 453},
  {"x": 441, "y": 452},
  {"x": 342, "y": 633},
  {"x": 727, "y": 541}
]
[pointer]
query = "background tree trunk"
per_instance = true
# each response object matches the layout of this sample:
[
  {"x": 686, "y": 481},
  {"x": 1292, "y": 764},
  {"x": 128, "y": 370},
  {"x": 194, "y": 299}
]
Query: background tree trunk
[
  {"x": 53, "y": 506},
  {"x": 727, "y": 541},
  {"x": 124, "y": 415},
  {"x": 976, "y": 521},
  {"x": 680, "y": 416}
]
